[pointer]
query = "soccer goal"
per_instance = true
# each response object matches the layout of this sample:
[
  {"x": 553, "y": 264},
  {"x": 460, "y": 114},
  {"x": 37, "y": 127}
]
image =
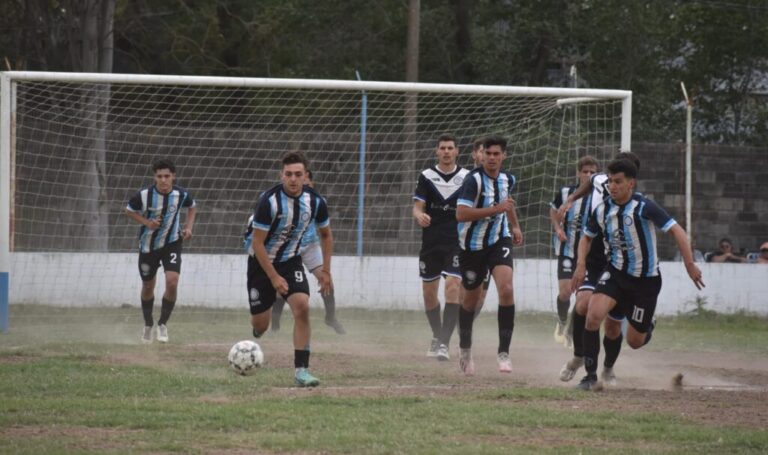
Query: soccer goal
[{"x": 75, "y": 147}]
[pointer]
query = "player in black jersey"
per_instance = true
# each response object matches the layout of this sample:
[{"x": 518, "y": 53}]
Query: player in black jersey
[{"x": 434, "y": 209}]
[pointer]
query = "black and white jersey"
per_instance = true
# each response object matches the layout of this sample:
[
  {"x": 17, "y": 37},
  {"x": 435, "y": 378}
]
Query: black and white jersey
[
  {"x": 153, "y": 205},
  {"x": 439, "y": 192},
  {"x": 596, "y": 256},
  {"x": 573, "y": 223},
  {"x": 480, "y": 191}
]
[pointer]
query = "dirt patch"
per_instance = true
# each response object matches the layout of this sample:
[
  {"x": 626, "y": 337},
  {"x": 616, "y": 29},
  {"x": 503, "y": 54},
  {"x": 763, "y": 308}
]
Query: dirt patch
[{"x": 76, "y": 437}]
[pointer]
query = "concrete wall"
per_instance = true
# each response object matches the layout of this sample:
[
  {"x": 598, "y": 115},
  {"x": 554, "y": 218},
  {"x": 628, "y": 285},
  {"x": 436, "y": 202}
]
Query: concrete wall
[{"x": 218, "y": 281}]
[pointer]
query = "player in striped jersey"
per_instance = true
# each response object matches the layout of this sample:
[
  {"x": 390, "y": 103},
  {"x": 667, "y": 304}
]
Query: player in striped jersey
[
  {"x": 488, "y": 228},
  {"x": 312, "y": 258},
  {"x": 566, "y": 240},
  {"x": 477, "y": 160},
  {"x": 434, "y": 209},
  {"x": 158, "y": 209},
  {"x": 632, "y": 281},
  {"x": 281, "y": 218}
]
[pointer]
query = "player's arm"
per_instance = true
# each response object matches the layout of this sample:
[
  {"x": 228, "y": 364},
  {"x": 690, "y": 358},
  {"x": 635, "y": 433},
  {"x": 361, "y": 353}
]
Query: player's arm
[
  {"x": 585, "y": 243},
  {"x": 678, "y": 233},
  {"x": 514, "y": 225},
  {"x": 466, "y": 213},
  {"x": 326, "y": 244},
  {"x": 137, "y": 217},
  {"x": 557, "y": 226},
  {"x": 186, "y": 233},
  {"x": 420, "y": 213},
  {"x": 278, "y": 282},
  {"x": 581, "y": 191}
]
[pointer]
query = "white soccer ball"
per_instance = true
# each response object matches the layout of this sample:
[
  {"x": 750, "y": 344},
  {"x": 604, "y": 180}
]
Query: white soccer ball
[{"x": 245, "y": 356}]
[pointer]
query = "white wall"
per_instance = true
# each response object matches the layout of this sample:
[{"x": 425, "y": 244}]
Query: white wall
[{"x": 89, "y": 279}]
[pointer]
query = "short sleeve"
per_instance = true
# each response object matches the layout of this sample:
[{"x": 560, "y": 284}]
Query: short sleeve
[
  {"x": 135, "y": 204},
  {"x": 468, "y": 192},
  {"x": 658, "y": 215},
  {"x": 189, "y": 201},
  {"x": 262, "y": 215},
  {"x": 422, "y": 189},
  {"x": 321, "y": 215},
  {"x": 558, "y": 201},
  {"x": 592, "y": 227}
]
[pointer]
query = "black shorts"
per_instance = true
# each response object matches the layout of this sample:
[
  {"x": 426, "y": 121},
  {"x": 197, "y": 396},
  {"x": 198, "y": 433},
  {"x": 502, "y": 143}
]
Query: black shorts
[
  {"x": 169, "y": 256},
  {"x": 439, "y": 260},
  {"x": 635, "y": 296},
  {"x": 261, "y": 294},
  {"x": 565, "y": 266},
  {"x": 590, "y": 282},
  {"x": 475, "y": 265}
]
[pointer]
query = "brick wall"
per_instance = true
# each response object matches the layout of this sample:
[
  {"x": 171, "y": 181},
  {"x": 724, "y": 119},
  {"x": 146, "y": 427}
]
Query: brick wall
[{"x": 730, "y": 192}]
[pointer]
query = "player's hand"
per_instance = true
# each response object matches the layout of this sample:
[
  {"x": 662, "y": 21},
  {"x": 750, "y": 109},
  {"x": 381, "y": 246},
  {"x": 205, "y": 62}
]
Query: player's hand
[
  {"x": 186, "y": 234},
  {"x": 695, "y": 275},
  {"x": 153, "y": 224},
  {"x": 326, "y": 282},
  {"x": 560, "y": 234},
  {"x": 578, "y": 277},
  {"x": 280, "y": 285},
  {"x": 517, "y": 236},
  {"x": 505, "y": 206},
  {"x": 561, "y": 211},
  {"x": 424, "y": 220}
]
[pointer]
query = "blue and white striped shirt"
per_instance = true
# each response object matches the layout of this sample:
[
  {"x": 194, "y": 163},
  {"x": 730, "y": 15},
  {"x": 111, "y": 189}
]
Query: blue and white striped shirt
[
  {"x": 629, "y": 231},
  {"x": 480, "y": 191},
  {"x": 286, "y": 220},
  {"x": 574, "y": 222},
  {"x": 152, "y": 204}
]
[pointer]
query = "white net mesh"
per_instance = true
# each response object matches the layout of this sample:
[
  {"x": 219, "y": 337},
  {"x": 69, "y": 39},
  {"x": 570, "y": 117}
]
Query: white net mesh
[{"x": 81, "y": 150}]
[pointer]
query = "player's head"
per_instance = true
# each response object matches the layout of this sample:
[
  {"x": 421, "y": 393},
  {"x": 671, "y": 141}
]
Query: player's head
[
  {"x": 446, "y": 150},
  {"x": 586, "y": 167},
  {"x": 308, "y": 179},
  {"x": 629, "y": 156},
  {"x": 293, "y": 173},
  {"x": 164, "y": 172},
  {"x": 622, "y": 178},
  {"x": 494, "y": 153},
  {"x": 477, "y": 151}
]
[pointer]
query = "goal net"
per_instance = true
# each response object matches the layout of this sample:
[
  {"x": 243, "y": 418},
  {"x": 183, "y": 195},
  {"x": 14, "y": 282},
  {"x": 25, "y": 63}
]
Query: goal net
[{"x": 80, "y": 145}]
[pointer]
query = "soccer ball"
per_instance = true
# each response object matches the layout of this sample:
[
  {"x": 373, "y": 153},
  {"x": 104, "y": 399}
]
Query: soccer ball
[{"x": 245, "y": 356}]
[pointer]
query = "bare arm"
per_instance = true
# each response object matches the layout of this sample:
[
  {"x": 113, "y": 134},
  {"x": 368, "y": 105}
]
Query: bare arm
[
  {"x": 581, "y": 191},
  {"x": 514, "y": 224},
  {"x": 278, "y": 282},
  {"x": 186, "y": 233},
  {"x": 678, "y": 233},
  {"x": 326, "y": 243},
  {"x": 556, "y": 224},
  {"x": 464, "y": 213},
  {"x": 137, "y": 217},
  {"x": 420, "y": 214},
  {"x": 581, "y": 263}
]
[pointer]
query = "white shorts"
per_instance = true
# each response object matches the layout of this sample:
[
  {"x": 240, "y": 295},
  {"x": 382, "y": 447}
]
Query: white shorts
[{"x": 312, "y": 256}]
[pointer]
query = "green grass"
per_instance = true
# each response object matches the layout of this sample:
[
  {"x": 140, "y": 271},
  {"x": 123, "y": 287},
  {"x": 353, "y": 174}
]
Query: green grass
[{"x": 77, "y": 381}]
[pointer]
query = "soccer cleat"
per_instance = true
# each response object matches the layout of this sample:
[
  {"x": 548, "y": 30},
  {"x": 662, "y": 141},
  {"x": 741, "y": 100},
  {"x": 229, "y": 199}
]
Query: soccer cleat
[
  {"x": 587, "y": 382},
  {"x": 560, "y": 332},
  {"x": 608, "y": 376},
  {"x": 466, "y": 364},
  {"x": 162, "y": 333},
  {"x": 570, "y": 368},
  {"x": 442, "y": 353},
  {"x": 304, "y": 379},
  {"x": 505, "y": 364},
  {"x": 336, "y": 325},
  {"x": 146, "y": 335},
  {"x": 433, "y": 346}
]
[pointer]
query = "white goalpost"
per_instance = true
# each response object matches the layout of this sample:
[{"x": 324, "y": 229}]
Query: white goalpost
[{"x": 75, "y": 146}]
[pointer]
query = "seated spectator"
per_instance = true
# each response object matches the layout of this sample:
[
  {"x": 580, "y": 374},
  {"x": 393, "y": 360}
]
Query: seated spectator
[
  {"x": 725, "y": 253},
  {"x": 762, "y": 258}
]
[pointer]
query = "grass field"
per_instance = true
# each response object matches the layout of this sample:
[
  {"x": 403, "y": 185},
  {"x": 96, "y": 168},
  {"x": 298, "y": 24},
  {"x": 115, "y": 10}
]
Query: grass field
[{"x": 79, "y": 381}]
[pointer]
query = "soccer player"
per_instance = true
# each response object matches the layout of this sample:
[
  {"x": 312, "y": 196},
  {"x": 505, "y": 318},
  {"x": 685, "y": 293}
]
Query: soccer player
[
  {"x": 477, "y": 159},
  {"x": 632, "y": 280},
  {"x": 566, "y": 240},
  {"x": 280, "y": 220},
  {"x": 312, "y": 257},
  {"x": 488, "y": 228},
  {"x": 158, "y": 209},
  {"x": 596, "y": 262},
  {"x": 434, "y": 209}
]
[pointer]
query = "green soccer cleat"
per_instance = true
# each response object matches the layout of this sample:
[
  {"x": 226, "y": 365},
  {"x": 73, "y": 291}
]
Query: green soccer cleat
[{"x": 304, "y": 379}]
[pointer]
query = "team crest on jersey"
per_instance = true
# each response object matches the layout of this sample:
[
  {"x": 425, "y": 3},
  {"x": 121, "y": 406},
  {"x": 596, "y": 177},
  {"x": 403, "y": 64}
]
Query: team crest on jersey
[
  {"x": 305, "y": 216},
  {"x": 458, "y": 180},
  {"x": 628, "y": 221},
  {"x": 145, "y": 268},
  {"x": 172, "y": 209},
  {"x": 470, "y": 276},
  {"x": 422, "y": 266},
  {"x": 254, "y": 296}
]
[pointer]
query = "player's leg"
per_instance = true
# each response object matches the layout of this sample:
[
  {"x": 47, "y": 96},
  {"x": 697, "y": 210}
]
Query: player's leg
[
  {"x": 171, "y": 259},
  {"x": 329, "y": 302},
  {"x": 298, "y": 299},
  {"x": 599, "y": 306},
  {"x": 640, "y": 310},
  {"x": 261, "y": 297},
  {"x": 578, "y": 320},
  {"x": 452, "y": 292},
  {"x": 563, "y": 300},
  {"x": 483, "y": 294},
  {"x": 148, "y": 265},
  {"x": 277, "y": 313},
  {"x": 429, "y": 290},
  {"x": 612, "y": 340},
  {"x": 502, "y": 277},
  {"x": 473, "y": 269}
]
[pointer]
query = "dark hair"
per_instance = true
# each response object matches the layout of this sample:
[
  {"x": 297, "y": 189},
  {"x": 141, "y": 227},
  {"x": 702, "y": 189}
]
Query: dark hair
[
  {"x": 163, "y": 164},
  {"x": 309, "y": 174},
  {"x": 477, "y": 143},
  {"x": 623, "y": 165},
  {"x": 295, "y": 158},
  {"x": 629, "y": 156},
  {"x": 495, "y": 140},
  {"x": 725, "y": 240},
  {"x": 587, "y": 160},
  {"x": 446, "y": 138}
]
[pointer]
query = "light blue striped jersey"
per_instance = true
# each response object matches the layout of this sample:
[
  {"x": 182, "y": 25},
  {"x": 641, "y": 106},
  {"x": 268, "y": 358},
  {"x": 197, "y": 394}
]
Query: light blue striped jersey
[
  {"x": 286, "y": 220},
  {"x": 151, "y": 204},
  {"x": 574, "y": 222},
  {"x": 629, "y": 231},
  {"x": 480, "y": 191}
]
